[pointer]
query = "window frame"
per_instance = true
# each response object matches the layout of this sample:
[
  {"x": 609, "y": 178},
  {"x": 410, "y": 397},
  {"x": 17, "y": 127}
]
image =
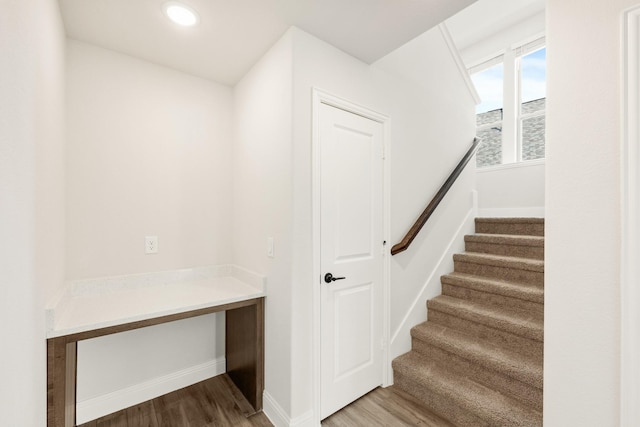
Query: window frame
[{"x": 512, "y": 115}]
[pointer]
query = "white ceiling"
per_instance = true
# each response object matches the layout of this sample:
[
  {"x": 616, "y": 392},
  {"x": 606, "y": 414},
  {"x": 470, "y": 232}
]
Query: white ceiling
[
  {"x": 234, "y": 34},
  {"x": 485, "y": 18}
]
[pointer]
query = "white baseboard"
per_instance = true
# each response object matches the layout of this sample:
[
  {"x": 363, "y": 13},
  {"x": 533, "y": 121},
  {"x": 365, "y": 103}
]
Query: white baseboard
[
  {"x": 99, "y": 406},
  {"x": 401, "y": 338},
  {"x": 279, "y": 417},
  {"x": 528, "y": 212},
  {"x": 274, "y": 411},
  {"x": 304, "y": 420}
]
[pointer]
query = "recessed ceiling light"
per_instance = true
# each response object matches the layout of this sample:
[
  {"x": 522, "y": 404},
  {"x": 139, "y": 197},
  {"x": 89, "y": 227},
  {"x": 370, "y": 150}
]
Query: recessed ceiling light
[{"x": 180, "y": 13}]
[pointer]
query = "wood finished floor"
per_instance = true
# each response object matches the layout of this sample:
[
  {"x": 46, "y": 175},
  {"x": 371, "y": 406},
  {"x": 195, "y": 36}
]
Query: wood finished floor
[
  {"x": 214, "y": 402},
  {"x": 385, "y": 407},
  {"x": 218, "y": 402}
]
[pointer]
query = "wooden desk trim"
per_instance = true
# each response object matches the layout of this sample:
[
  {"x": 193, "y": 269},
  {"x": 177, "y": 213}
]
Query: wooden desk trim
[{"x": 244, "y": 339}]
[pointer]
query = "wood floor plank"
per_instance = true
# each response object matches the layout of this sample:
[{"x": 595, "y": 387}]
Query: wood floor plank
[
  {"x": 409, "y": 410},
  {"x": 384, "y": 407},
  {"x": 169, "y": 411},
  {"x": 240, "y": 401},
  {"x": 118, "y": 419},
  {"x": 259, "y": 419},
  {"x": 216, "y": 402},
  {"x": 142, "y": 415}
]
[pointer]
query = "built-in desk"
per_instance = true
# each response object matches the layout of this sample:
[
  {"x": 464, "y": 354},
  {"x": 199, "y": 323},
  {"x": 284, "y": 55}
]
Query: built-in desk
[{"x": 107, "y": 306}]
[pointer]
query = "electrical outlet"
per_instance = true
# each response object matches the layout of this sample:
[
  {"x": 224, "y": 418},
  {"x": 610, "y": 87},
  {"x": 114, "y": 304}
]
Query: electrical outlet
[{"x": 151, "y": 244}]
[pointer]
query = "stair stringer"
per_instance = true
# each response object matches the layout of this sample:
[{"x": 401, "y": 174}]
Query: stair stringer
[{"x": 401, "y": 337}]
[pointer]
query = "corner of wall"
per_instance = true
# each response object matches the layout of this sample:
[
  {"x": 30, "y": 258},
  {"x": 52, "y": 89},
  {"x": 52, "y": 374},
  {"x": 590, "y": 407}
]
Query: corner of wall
[
  {"x": 278, "y": 416},
  {"x": 457, "y": 58}
]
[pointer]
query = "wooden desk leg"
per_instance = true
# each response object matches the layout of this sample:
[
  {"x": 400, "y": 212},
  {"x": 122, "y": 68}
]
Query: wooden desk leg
[
  {"x": 61, "y": 383},
  {"x": 245, "y": 350}
]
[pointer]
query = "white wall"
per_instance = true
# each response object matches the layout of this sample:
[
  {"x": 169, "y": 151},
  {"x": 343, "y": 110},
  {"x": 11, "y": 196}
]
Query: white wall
[
  {"x": 148, "y": 153},
  {"x": 487, "y": 48},
  {"x": 437, "y": 130},
  {"x": 262, "y": 203},
  {"x": 432, "y": 125},
  {"x": 582, "y": 312},
  {"x": 31, "y": 198},
  {"x": 511, "y": 190}
]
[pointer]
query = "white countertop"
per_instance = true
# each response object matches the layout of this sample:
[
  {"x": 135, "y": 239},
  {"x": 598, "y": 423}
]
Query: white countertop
[{"x": 98, "y": 303}]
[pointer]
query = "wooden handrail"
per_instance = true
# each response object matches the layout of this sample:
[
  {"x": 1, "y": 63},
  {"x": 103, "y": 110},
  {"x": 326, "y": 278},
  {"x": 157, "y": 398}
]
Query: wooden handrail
[{"x": 433, "y": 204}]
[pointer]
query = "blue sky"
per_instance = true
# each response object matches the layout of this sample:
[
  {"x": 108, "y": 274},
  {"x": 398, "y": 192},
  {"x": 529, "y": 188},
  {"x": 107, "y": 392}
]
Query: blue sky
[{"x": 489, "y": 82}]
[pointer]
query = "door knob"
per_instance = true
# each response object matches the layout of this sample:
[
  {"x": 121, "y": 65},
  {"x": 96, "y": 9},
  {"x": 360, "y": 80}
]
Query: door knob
[{"x": 328, "y": 278}]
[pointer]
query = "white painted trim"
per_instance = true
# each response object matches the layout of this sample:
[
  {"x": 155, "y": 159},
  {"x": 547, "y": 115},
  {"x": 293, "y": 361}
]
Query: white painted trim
[
  {"x": 527, "y": 212},
  {"x": 274, "y": 411},
  {"x": 278, "y": 416},
  {"x": 457, "y": 58},
  {"x": 630, "y": 233},
  {"x": 99, "y": 406},
  {"x": 319, "y": 97},
  {"x": 514, "y": 165},
  {"x": 304, "y": 420},
  {"x": 443, "y": 266},
  {"x": 474, "y": 203}
]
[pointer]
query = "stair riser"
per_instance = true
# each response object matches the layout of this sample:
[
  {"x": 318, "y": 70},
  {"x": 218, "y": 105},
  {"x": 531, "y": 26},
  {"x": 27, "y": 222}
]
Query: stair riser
[
  {"x": 534, "y": 252},
  {"x": 519, "y": 228},
  {"x": 526, "y": 277},
  {"x": 495, "y": 380},
  {"x": 438, "y": 404},
  {"x": 480, "y": 331},
  {"x": 512, "y": 290},
  {"x": 492, "y": 299}
]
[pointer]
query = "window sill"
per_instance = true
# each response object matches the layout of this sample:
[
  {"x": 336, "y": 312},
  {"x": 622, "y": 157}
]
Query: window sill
[{"x": 515, "y": 165}]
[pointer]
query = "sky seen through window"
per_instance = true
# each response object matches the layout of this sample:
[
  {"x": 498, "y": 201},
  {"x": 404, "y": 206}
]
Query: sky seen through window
[{"x": 489, "y": 82}]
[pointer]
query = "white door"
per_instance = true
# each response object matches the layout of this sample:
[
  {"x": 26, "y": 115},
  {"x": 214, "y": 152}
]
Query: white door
[{"x": 351, "y": 238}]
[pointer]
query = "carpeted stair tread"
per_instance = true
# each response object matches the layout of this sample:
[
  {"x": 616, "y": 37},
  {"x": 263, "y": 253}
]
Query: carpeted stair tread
[
  {"x": 510, "y": 220},
  {"x": 506, "y": 239},
  {"x": 478, "y": 360},
  {"x": 522, "y": 226},
  {"x": 526, "y": 325},
  {"x": 522, "y": 367},
  {"x": 503, "y": 261},
  {"x": 493, "y": 408},
  {"x": 506, "y": 244},
  {"x": 495, "y": 286}
]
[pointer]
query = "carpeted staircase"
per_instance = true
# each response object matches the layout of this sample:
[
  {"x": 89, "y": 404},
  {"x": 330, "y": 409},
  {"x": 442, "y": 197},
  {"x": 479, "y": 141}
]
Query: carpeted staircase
[{"x": 477, "y": 360}]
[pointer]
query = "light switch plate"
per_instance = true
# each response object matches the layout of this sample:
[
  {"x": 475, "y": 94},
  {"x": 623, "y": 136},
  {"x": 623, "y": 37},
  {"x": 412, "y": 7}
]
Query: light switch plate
[{"x": 270, "y": 253}]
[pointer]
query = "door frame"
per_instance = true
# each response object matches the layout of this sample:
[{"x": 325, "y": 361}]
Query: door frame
[
  {"x": 320, "y": 97},
  {"x": 630, "y": 212}
]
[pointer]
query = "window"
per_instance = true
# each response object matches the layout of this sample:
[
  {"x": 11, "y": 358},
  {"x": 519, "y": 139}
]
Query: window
[
  {"x": 532, "y": 104},
  {"x": 510, "y": 119},
  {"x": 489, "y": 84}
]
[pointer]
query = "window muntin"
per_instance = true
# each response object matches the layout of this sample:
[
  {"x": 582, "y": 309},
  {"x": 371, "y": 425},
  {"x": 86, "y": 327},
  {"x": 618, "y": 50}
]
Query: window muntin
[
  {"x": 512, "y": 129},
  {"x": 531, "y": 120}
]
